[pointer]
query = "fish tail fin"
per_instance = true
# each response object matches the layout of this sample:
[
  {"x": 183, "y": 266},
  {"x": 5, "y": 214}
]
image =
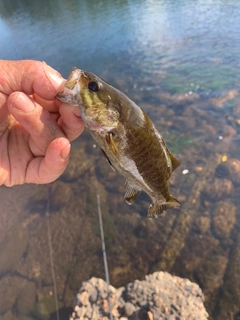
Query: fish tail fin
[{"x": 155, "y": 209}]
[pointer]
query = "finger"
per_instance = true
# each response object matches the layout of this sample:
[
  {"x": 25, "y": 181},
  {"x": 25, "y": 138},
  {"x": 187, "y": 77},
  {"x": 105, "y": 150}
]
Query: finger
[
  {"x": 47, "y": 169},
  {"x": 35, "y": 120},
  {"x": 50, "y": 105},
  {"x": 3, "y": 113},
  {"x": 70, "y": 121},
  {"x": 30, "y": 77}
]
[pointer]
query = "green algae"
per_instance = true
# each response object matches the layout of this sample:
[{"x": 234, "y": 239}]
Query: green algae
[
  {"x": 45, "y": 307},
  {"x": 177, "y": 143},
  {"x": 185, "y": 78}
]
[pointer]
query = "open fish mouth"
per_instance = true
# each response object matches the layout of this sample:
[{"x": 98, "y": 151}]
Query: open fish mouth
[{"x": 72, "y": 88}]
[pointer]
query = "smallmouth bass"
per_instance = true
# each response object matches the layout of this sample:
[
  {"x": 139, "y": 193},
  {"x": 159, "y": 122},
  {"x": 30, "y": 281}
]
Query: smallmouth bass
[{"x": 127, "y": 137}]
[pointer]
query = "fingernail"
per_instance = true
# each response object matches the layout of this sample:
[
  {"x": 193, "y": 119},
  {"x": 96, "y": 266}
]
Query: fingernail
[
  {"x": 65, "y": 152},
  {"x": 22, "y": 103},
  {"x": 55, "y": 77}
]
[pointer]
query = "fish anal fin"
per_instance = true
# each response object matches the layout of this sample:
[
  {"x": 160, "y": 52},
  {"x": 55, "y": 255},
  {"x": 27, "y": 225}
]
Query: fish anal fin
[
  {"x": 155, "y": 209},
  {"x": 131, "y": 193},
  {"x": 110, "y": 141},
  {"x": 108, "y": 160}
]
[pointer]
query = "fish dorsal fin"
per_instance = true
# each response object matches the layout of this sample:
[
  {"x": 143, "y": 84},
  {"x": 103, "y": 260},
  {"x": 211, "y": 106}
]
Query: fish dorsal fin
[
  {"x": 131, "y": 193},
  {"x": 110, "y": 141},
  {"x": 175, "y": 162},
  {"x": 108, "y": 160}
]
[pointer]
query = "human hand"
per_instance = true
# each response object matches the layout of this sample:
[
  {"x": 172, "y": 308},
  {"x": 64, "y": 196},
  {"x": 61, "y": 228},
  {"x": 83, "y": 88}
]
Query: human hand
[{"x": 35, "y": 128}]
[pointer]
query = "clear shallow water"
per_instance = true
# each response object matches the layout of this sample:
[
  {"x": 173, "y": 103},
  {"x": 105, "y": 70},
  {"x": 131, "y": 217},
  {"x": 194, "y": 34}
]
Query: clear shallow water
[{"x": 180, "y": 62}]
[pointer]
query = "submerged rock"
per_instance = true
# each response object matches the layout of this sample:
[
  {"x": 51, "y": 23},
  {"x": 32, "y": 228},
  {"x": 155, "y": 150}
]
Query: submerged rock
[
  {"x": 223, "y": 99},
  {"x": 159, "y": 296},
  {"x": 79, "y": 164},
  {"x": 229, "y": 300},
  {"x": 16, "y": 293},
  {"x": 229, "y": 169},
  {"x": 14, "y": 246},
  {"x": 224, "y": 219},
  {"x": 218, "y": 189}
]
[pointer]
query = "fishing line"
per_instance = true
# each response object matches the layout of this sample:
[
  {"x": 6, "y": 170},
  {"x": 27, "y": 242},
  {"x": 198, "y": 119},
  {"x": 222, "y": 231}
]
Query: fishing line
[
  {"x": 104, "y": 253},
  {"x": 51, "y": 253}
]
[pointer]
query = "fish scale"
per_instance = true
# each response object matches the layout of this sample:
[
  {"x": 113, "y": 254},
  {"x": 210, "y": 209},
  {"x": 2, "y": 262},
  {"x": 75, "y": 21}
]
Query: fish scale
[{"x": 144, "y": 163}]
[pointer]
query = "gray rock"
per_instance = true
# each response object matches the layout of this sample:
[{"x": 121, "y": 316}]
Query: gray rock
[
  {"x": 93, "y": 295},
  {"x": 159, "y": 296},
  {"x": 128, "y": 309}
]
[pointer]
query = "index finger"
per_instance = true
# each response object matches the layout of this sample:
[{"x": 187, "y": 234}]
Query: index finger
[{"x": 30, "y": 77}]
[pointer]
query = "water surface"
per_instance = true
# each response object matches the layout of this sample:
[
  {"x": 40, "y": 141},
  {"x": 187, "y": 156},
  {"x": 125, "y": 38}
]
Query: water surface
[{"x": 180, "y": 62}]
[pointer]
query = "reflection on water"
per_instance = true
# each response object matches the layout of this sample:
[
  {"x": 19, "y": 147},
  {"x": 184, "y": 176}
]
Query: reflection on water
[{"x": 180, "y": 62}]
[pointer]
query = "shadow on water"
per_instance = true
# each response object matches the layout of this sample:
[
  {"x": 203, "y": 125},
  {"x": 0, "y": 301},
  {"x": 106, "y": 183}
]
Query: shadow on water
[{"x": 185, "y": 79}]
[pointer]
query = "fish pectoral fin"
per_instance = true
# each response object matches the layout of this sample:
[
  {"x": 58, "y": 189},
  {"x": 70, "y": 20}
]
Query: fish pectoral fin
[
  {"x": 155, "y": 209},
  {"x": 131, "y": 193},
  {"x": 110, "y": 141},
  {"x": 108, "y": 160}
]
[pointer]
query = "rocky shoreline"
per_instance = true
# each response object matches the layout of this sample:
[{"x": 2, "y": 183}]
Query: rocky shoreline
[{"x": 160, "y": 296}]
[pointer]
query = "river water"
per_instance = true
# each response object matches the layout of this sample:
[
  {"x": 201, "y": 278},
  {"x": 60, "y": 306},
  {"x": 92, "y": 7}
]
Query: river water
[{"x": 180, "y": 61}]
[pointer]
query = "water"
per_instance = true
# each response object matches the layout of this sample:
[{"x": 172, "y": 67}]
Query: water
[{"x": 180, "y": 62}]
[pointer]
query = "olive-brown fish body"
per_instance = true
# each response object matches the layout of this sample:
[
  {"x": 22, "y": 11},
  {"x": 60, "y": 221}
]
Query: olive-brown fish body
[{"x": 127, "y": 137}]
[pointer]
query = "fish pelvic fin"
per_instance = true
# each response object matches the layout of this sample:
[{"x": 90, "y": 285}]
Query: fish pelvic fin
[
  {"x": 131, "y": 193},
  {"x": 155, "y": 209}
]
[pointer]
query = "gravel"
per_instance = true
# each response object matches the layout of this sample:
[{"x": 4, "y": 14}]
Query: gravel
[{"x": 160, "y": 296}]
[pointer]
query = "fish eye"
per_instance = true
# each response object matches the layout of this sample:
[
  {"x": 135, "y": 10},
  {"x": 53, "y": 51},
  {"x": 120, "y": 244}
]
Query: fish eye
[{"x": 93, "y": 86}]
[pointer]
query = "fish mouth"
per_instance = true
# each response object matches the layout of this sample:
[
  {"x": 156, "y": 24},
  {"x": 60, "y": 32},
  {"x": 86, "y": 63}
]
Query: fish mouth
[{"x": 72, "y": 88}]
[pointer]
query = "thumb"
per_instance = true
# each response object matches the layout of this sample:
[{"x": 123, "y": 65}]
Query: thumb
[
  {"x": 30, "y": 77},
  {"x": 54, "y": 77}
]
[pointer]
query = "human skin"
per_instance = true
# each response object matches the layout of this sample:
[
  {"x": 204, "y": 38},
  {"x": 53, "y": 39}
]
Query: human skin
[{"x": 35, "y": 128}]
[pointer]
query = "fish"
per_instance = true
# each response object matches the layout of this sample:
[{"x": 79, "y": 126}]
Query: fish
[{"x": 127, "y": 137}]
